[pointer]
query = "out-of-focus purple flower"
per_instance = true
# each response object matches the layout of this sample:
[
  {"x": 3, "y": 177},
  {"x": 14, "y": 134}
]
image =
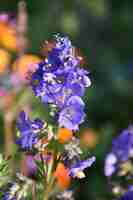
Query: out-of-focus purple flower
[
  {"x": 4, "y": 17},
  {"x": 31, "y": 166},
  {"x": 73, "y": 113},
  {"x": 110, "y": 164},
  {"x": 77, "y": 169},
  {"x": 30, "y": 162},
  {"x": 28, "y": 131},
  {"x": 122, "y": 151},
  {"x": 127, "y": 196},
  {"x": 18, "y": 189},
  {"x": 118, "y": 164},
  {"x": 10, "y": 193},
  {"x": 122, "y": 146},
  {"x": 6, "y": 196},
  {"x": 9, "y": 18}
]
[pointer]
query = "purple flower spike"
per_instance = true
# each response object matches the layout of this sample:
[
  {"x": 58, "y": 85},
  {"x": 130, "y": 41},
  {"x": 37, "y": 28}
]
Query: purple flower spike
[{"x": 58, "y": 79}]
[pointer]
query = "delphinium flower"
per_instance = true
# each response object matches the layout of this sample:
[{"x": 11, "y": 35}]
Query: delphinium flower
[
  {"x": 28, "y": 131},
  {"x": 55, "y": 152},
  {"x": 72, "y": 114},
  {"x": 60, "y": 81},
  {"x": 118, "y": 163}
]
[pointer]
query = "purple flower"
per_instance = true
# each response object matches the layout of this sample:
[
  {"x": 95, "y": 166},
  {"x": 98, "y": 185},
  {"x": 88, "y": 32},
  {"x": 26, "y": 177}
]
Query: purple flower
[
  {"x": 79, "y": 76},
  {"x": 77, "y": 169},
  {"x": 110, "y": 164},
  {"x": 31, "y": 166},
  {"x": 72, "y": 114},
  {"x": 58, "y": 79},
  {"x": 28, "y": 131},
  {"x": 122, "y": 146},
  {"x": 62, "y": 49},
  {"x": 120, "y": 154},
  {"x": 61, "y": 82},
  {"x": 10, "y": 192},
  {"x": 4, "y": 17},
  {"x": 9, "y": 18},
  {"x": 127, "y": 196},
  {"x": 6, "y": 196}
]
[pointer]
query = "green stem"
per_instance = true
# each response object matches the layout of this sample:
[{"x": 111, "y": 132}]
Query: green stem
[
  {"x": 49, "y": 189},
  {"x": 8, "y": 121},
  {"x": 34, "y": 191}
]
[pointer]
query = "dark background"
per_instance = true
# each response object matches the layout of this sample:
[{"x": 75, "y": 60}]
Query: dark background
[{"x": 103, "y": 30}]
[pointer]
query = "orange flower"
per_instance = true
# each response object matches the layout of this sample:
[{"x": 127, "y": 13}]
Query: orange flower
[
  {"x": 62, "y": 176},
  {"x": 89, "y": 138},
  {"x": 26, "y": 63},
  {"x": 8, "y": 37},
  {"x": 4, "y": 60},
  {"x": 2, "y": 29},
  {"x": 64, "y": 135}
]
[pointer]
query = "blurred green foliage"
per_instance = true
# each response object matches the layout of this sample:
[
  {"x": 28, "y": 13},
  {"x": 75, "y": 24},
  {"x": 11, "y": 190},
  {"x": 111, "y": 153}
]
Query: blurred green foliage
[{"x": 103, "y": 30}]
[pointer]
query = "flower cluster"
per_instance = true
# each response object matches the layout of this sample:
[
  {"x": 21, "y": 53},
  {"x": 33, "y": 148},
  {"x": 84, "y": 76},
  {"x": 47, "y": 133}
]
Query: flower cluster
[
  {"x": 60, "y": 82},
  {"x": 119, "y": 162},
  {"x": 53, "y": 153}
]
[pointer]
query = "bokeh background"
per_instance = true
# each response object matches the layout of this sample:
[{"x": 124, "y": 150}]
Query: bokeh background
[{"x": 103, "y": 30}]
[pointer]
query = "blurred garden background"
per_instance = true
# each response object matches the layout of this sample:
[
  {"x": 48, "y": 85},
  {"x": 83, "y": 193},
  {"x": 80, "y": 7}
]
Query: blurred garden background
[{"x": 103, "y": 31}]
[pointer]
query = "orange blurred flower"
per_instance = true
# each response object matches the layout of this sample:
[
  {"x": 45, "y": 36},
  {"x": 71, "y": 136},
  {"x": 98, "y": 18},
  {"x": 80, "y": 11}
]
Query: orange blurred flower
[
  {"x": 8, "y": 38},
  {"x": 89, "y": 138},
  {"x": 62, "y": 176},
  {"x": 24, "y": 64},
  {"x": 4, "y": 60},
  {"x": 64, "y": 135}
]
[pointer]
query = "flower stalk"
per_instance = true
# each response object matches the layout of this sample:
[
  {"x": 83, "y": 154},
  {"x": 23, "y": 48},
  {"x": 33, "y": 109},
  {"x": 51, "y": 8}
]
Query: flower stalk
[{"x": 53, "y": 154}]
